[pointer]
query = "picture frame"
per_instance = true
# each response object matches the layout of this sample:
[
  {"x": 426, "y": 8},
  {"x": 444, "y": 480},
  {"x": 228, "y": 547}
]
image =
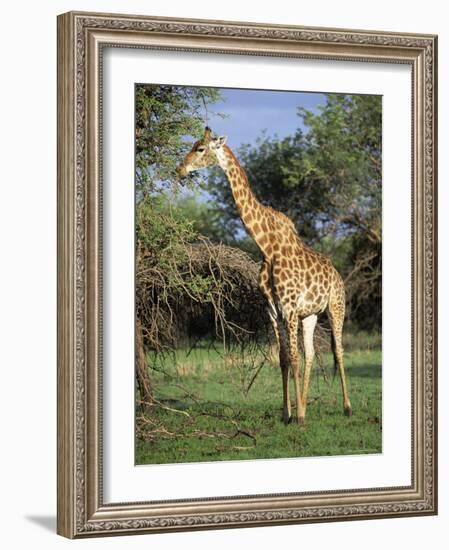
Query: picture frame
[{"x": 82, "y": 40}]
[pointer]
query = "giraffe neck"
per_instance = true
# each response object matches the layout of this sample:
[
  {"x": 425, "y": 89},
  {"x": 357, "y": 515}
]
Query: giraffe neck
[{"x": 251, "y": 211}]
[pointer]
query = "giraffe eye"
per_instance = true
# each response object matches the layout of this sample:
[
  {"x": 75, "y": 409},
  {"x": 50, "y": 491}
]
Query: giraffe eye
[{"x": 201, "y": 149}]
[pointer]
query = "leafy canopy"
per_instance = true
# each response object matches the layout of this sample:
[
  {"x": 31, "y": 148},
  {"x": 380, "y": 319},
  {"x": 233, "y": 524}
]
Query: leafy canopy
[{"x": 165, "y": 115}]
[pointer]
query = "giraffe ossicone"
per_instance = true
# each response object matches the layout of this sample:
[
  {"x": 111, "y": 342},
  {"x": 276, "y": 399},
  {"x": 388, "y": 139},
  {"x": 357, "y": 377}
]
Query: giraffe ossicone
[{"x": 298, "y": 282}]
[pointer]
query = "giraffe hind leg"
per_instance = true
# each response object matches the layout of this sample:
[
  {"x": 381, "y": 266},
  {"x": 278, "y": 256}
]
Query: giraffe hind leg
[
  {"x": 285, "y": 370},
  {"x": 336, "y": 317},
  {"x": 292, "y": 330},
  {"x": 308, "y": 329},
  {"x": 281, "y": 339}
]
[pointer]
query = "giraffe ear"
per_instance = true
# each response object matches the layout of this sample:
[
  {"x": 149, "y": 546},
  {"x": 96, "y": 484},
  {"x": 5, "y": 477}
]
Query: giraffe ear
[
  {"x": 207, "y": 133},
  {"x": 221, "y": 140}
]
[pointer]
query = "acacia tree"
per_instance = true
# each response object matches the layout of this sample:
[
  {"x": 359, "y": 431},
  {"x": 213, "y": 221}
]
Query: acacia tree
[
  {"x": 164, "y": 116},
  {"x": 327, "y": 178}
]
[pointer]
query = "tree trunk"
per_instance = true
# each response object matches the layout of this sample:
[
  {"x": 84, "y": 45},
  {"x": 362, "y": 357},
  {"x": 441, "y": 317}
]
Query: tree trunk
[{"x": 142, "y": 376}]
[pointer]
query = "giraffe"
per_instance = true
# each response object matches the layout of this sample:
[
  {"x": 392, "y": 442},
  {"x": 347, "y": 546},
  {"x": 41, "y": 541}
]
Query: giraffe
[{"x": 298, "y": 282}]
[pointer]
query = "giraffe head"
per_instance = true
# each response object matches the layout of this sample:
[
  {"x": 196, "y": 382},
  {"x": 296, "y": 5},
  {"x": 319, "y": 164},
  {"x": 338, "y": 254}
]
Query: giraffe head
[{"x": 202, "y": 154}]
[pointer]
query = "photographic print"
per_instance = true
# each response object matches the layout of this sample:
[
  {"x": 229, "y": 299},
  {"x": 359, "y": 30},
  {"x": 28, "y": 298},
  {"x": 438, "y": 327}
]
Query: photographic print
[{"x": 258, "y": 276}]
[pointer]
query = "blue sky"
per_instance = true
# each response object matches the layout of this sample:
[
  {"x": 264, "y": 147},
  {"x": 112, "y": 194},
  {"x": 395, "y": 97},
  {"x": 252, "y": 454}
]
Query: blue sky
[{"x": 252, "y": 111}]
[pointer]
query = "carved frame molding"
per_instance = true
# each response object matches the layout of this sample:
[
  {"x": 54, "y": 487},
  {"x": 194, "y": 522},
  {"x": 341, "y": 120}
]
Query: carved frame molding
[{"x": 81, "y": 38}]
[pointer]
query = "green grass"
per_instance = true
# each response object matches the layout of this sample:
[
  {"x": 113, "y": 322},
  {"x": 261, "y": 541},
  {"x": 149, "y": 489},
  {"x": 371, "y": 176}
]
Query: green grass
[{"x": 204, "y": 413}]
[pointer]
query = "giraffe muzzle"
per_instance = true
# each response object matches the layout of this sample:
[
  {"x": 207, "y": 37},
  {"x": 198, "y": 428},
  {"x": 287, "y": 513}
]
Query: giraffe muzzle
[{"x": 182, "y": 170}]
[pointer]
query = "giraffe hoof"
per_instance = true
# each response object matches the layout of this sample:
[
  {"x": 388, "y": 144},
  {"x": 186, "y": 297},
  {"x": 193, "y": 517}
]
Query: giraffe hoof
[
  {"x": 300, "y": 420},
  {"x": 286, "y": 419},
  {"x": 348, "y": 411}
]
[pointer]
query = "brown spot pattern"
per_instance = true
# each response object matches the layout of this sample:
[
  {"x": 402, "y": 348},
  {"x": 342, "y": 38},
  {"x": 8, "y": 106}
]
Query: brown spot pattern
[{"x": 300, "y": 281}]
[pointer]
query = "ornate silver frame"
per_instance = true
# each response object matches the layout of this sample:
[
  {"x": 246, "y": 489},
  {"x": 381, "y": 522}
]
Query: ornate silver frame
[{"x": 81, "y": 37}]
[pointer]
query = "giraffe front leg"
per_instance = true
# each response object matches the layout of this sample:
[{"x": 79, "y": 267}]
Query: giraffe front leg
[
  {"x": 308, "y": 329},
  {"x": 284, "y": 364},
  {"x": 287, "y": 411},
  {"x": 292, "y": 329}
]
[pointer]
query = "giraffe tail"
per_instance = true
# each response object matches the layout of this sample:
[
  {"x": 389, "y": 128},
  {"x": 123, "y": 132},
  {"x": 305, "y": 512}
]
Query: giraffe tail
[{"x": 335, "y": 356}]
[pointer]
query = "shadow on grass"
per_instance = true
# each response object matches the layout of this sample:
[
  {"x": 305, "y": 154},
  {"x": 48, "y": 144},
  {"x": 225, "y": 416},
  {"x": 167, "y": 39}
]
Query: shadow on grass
[{"x": 364, "y": 371}]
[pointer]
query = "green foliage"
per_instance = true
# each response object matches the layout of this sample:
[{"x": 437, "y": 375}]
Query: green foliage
[
  {"x": 342, "y": 159},
  {"x": 163, "y": 283},
  {"x": 201, "y": 414},
  {"x": 164, "y": 235},
  {"x": 207, "y": 219},
  {"x": 186, "y": 287},
  {"x": 164, "y": 116},
  {"x": 195, "y": 209}
]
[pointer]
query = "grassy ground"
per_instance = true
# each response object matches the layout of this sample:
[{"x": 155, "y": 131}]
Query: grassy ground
[{"x": 204, "y": 411}]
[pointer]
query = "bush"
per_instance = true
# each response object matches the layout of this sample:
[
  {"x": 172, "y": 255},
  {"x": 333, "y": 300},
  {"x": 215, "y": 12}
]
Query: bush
[{"x": 187, "y": 288}]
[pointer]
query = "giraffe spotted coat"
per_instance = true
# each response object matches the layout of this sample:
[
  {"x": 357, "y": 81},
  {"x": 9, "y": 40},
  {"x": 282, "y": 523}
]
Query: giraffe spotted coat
[{"x": 298, "y": 282}]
